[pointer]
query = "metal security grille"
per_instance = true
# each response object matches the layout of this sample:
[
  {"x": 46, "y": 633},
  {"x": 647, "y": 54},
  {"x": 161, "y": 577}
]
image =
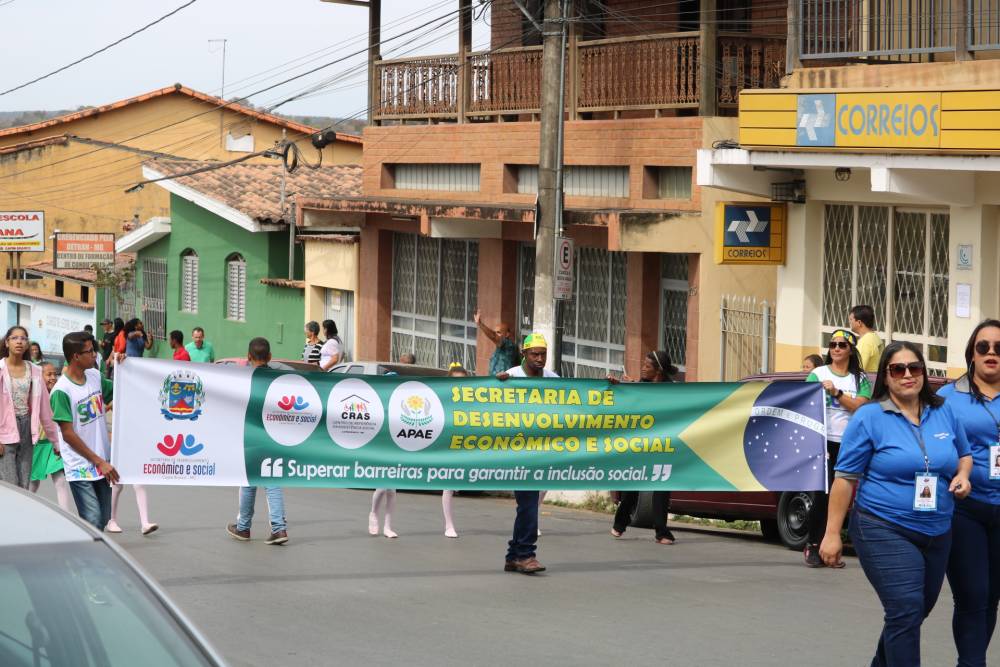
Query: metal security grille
[
  {"x": 236, "y": 288},
  {"x": 443, "y": 177},
  {"x": 871, "y": 252},
  {"x": 154, "y": 297},
  {"x": 674, "y": 307},
  {"x": 673, "y": 182},
  {"x": 189, "y": 281},
  {"x": 747, "y": 342},
  {"x": 586, "y": 181},
  {"x": 434, "y": 283},
  {"x": 984, "y": 25},
  {"x": 593, "y": 342}
]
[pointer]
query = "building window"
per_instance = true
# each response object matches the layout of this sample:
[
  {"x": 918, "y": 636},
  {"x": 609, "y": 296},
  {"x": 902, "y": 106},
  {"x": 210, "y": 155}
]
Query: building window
[
  {"x": 440, "y": 177},
  {"x": 189, "y": 281},
  {"x": 154, "y": 297},
  {"x": 60, "y": 288},
  {"x": 896, "y": 261},
  {"x": 434, "y": 284},
  {"x": 593, "y": 343},
  {"x": 674, "y": 299},
  {"x": 84, "y": 294},
  {"x": 668, "y": 183},
  {"x": 236, "y": 288},
  {"x": 580, "y": 181}
]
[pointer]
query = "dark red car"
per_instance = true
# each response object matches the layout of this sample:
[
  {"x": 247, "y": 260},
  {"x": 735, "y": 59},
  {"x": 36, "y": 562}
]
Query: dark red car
[{"x": 783, "y": 515}]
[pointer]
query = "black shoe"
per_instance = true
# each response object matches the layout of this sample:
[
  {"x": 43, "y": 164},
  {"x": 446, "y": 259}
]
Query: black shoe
[{"x": 811, "y": 556}]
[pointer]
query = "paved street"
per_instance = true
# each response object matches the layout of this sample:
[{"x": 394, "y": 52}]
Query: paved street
[{"x": 334, "y": 595}]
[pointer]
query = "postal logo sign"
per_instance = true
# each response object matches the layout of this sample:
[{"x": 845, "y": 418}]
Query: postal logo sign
[
  {"x": 750, "y": 234},
  {"x": 869, "y": 120}
]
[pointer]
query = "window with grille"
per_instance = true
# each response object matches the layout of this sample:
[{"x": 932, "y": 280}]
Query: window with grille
[
  {"x": 896, "y": 261},
  {"x": 154, "y": 301},
  {"x": 580, "y": 180},
  {"x": 593, "y": 342},
  {"x": 434, "y": 284},
  {"x": 674, "y": 300},
  {"x": 236, "y": 288},
  {"x": 189, "y": 281}
]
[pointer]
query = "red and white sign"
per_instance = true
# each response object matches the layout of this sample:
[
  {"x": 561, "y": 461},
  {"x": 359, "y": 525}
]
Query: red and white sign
[
  {"x": 84, "y": 250},
  {"x": 22, "y": 231}
]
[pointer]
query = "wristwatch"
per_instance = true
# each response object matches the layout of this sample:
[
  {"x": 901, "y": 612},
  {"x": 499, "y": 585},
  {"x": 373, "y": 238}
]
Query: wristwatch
[{"x": 840, "y": 392}]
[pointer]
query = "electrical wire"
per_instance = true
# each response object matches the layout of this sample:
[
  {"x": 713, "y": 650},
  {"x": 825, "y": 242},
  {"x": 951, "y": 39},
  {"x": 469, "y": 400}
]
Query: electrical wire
[{"x": 100, "y": 50}]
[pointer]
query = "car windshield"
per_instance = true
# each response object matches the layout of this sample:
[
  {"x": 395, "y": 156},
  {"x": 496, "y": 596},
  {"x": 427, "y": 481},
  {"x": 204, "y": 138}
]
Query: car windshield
[{"x": 79, "y": 605}]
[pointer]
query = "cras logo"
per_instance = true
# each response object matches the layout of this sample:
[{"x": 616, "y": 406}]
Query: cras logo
[
  {"x": 416, "y": 416},
  {"x": 182, "y": 396},
  {"x": 292, "y": 410},
  {"x": 354, "y": 413},
  {"x": 185, "y": 445},
  {"x": 288, "y": 403}
]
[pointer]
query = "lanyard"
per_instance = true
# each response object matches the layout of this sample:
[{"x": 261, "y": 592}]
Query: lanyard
[
  {"x": 920, "y": 441},
  {"x": 993, "y": 417}
]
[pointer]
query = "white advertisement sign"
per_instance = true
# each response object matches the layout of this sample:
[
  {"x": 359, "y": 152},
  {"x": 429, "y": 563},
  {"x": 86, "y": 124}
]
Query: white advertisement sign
[
  {"x": 562, "y": 279},
  {"x": 22, "y": 231}
]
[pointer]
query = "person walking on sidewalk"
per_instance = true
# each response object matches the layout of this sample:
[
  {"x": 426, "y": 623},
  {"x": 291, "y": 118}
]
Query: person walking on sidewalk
[
  {"x": 861, "y": 319},
  {"x": 24, "y": 409},
  {"x": 505, "y": 356},
  {"x": 521, "y": 548},
  {"x": 656, "y": 367},
  {"x": 847, "y": 388},
  {"x": 79, "y": 406},
  {"x": 46, "y": 460},
  {"x": 259, "y": 356}
]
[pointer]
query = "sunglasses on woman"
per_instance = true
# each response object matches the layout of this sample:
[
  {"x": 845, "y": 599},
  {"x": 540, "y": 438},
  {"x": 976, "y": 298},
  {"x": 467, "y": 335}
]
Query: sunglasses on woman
[
  {"x": 898, "y": 371},
  {"x": 983, "y": 347},
  {"x": 839, "y": 344}
]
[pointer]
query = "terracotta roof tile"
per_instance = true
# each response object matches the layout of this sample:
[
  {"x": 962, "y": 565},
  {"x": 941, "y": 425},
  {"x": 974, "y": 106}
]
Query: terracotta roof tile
[
  {"x": 169, "y": 90},
  {"x": 255, "y": 189},
  {"x": 45, "y": 297},
  {"x": 80, "y": 275},
  {"x": 60, "y": 139},
  {"x": 283, "y": 282}
]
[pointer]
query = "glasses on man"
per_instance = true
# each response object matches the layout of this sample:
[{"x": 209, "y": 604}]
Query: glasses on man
[
  {"x": 839, "y": 345},
  {"x": 983, "y": 347},
  {"x": 898, "y": 371}
]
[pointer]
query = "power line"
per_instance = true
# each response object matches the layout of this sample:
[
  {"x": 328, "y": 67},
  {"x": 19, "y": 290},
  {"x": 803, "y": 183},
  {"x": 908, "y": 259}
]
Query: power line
[{"x": 101, "y": 50}]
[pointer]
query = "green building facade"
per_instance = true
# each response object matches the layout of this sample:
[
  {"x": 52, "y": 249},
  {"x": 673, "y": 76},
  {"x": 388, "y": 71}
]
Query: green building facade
[{"x": 201, "y": 269}]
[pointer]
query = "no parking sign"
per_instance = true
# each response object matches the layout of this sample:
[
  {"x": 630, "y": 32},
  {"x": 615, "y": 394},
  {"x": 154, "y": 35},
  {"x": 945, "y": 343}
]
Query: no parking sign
[{"x": 563, "y": 278}]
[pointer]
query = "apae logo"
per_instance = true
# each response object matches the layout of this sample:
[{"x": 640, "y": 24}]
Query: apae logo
[
  {"x": 354, "y": 413},
  {"x": 292, "y": 410},
  {"x": 416, "y": 416},
  {"x": 181, "y": 396},
  {"x": 272, "y": 469}
]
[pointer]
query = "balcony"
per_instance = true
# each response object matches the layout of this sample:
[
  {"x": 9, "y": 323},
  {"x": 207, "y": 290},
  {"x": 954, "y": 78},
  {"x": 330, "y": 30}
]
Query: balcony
[{"x": 649, "y": 73}]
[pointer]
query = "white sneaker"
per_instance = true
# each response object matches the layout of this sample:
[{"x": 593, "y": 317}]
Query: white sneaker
[{"x": 112, "y": 527}]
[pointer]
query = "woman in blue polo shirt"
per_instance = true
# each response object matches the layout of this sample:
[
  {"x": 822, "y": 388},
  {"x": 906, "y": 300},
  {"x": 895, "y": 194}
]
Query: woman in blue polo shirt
[
  {"x": 974, "y": 566},
  {"x": 907, "y": 454}
]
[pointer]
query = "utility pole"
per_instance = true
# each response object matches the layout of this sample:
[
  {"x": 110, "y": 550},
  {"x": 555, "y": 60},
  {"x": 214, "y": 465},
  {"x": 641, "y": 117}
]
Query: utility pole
[
  {"x": 222, "y": 89},
  {"x": 549, "y": 224}
]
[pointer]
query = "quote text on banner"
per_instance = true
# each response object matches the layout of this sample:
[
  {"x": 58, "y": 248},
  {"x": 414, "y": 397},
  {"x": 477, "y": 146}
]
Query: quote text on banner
[{"x": 202, "y": 424}]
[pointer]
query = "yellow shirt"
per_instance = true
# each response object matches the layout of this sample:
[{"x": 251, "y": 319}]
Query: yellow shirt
[{"x": 870, "y": 348}]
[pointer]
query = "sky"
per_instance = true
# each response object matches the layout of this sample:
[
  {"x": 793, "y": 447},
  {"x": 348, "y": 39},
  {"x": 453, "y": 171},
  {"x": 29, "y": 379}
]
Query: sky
[{"x": 268, "y": 41}]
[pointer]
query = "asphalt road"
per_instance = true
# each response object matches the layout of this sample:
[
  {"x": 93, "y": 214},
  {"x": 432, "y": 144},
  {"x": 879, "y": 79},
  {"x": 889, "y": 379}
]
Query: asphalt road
[{"x": 334, "y": 595}]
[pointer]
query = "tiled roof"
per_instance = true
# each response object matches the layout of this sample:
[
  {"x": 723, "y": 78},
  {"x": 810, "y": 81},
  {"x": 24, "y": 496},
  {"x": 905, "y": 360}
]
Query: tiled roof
[
  {"x": 60, "y": 139},
  {"x": 80, "y": 275},
  {"x": 169, "y": 90},
  {"x": 283, "y": 282},
  {"x": 255, "y": 189},
  {"x": 347, "y": 239},
  {"x": 31, "y": 294}
]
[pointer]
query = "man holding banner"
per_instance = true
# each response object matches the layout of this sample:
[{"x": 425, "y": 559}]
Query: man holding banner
[{"x": 521, "y": 548}]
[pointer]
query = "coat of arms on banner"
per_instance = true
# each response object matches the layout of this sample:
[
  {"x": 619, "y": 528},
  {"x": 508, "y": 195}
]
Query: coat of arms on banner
[{"x": 182, "y": 396}]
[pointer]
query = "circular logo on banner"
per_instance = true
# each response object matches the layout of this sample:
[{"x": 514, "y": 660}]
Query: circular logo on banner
[
  {"x": 354, "y": 413},
  {"x": 292, "y": 409},
  {"x": 416, "y": 416}
]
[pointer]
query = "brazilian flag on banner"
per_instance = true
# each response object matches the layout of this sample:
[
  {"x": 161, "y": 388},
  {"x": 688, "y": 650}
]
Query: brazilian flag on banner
[{"x": 184, "y": 423}]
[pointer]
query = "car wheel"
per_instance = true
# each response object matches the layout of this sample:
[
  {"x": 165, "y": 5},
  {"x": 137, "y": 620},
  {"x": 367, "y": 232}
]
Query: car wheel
[
  {"x": 642, "y": 515},
  {"x": 793, "y": 518},
  {"x": 769, "y": 527}
]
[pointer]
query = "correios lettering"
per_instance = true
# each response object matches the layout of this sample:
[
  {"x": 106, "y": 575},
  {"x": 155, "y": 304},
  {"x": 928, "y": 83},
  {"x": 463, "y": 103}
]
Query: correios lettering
[{"x": 880, "y": 120}]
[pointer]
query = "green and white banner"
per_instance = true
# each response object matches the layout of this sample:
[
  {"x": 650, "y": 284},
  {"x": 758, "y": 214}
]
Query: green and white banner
[{"x": 201, "y": 424}]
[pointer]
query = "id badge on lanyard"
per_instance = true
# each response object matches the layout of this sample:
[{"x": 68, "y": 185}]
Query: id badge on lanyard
[
  {"x": 925, "y": 485},
  {"x": 995, "y": 448}
]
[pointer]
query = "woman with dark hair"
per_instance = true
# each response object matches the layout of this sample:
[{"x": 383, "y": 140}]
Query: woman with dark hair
[
  {"x": 311, "y": 351},
  {"x": 35, "y": 355},
  {"x": 812, "y": 362},
  {"x": 847, "y": 388},
  {"x": 906, "y": 439},
  {"x": 974, "y": 563},
  {"x": 137, "y": 341},
  {"x": 656, "y": 367},
  {"x": 25, "y": 411},
  {"x": 332, "y": 351}
]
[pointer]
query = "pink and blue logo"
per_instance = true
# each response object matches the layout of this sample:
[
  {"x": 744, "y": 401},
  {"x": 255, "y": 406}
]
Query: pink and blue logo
[
  {"x": 185, "y": 445},
  {"x": 297, "y": 403}
]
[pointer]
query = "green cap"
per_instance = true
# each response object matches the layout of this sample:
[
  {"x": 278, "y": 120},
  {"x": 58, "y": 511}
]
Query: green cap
[{"x": 534, "y": 340}]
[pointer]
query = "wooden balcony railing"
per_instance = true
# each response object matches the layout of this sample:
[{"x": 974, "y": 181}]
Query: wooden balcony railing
[{"x": 647, "y": 72}]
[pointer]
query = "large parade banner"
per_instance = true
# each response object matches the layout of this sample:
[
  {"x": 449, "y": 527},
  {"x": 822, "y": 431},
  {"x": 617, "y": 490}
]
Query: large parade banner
[{"x": 202, "y": 424}]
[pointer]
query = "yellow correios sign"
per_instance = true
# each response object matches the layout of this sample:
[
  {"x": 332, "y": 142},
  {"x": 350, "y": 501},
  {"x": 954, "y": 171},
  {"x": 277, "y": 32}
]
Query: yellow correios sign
[
  {"x": 751, "y": 233},
  {"x": 914, "y": 120}
]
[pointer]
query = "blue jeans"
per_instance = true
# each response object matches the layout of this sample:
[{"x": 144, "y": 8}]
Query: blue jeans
[
  {"x": 974, "y": 575},
  {"x": 275, "y": 507},
  {"x": 906, "y": 568},
  {"x": 93, "y": 501},
  {"x": 522, "y": 545}
]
